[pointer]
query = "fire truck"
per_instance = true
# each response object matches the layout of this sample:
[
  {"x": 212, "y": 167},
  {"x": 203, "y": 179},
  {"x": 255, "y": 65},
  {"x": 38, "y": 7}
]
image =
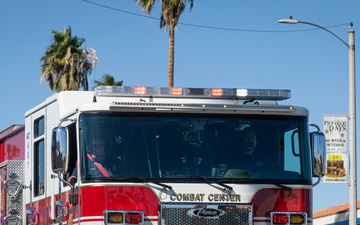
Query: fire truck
[{"x": 170, "y": 156}]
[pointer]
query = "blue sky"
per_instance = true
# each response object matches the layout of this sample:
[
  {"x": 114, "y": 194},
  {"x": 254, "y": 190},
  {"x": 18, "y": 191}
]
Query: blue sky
[{"x": 227, "y": 43}]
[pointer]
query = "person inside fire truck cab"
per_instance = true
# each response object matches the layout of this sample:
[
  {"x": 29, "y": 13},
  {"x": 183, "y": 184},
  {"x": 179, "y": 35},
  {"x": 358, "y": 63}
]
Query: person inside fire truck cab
[
  {"x": 99, "y": 164},
  {"x": 251, "y": 155}
]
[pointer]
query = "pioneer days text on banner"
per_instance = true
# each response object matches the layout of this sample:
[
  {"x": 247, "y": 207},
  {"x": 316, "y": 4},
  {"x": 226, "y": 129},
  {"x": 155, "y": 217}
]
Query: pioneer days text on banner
[{"x": 335, "y": 129}]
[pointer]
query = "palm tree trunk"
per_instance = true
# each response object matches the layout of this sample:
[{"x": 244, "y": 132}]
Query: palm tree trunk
[
  {"x": 171, "y": 56},
  {"x": 85, "y": 83}
]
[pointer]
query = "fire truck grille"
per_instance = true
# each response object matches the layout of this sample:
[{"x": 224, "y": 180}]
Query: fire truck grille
[{"x": 205, "y": 214}]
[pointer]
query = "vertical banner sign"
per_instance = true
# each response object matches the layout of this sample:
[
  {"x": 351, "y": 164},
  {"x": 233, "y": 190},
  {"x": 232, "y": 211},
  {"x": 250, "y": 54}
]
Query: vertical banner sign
[{"x": 335, "y": 129}]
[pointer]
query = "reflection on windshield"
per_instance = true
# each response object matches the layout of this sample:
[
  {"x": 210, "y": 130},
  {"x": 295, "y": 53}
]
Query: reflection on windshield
[{"x": 159, "y": 146}]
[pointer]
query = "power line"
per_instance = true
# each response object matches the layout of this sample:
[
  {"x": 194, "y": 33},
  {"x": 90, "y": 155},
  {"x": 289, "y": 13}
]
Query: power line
[
  {"x": 119, "y": 10},
  {"x": 209, "y": 27}
]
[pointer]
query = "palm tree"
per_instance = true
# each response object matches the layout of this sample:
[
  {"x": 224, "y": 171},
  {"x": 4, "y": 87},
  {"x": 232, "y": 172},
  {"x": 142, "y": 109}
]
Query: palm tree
[
  {"x": 65, "y": 66},
  {"x": 108, "y": 80},
  {"x": 171, "y": 11}
]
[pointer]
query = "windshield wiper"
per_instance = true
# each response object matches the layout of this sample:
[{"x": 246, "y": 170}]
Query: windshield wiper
[
  {"x": 216, "y": 181},
  {"x": 261, "y": 182},
  {"x": 145, "y": 180},
  {"x": 207, "y": 180},
  {"x": 281, "y": 186}
]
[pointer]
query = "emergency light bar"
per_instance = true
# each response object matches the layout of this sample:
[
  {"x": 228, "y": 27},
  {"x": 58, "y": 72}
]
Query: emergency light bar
[{"x": 235, "y": 93}]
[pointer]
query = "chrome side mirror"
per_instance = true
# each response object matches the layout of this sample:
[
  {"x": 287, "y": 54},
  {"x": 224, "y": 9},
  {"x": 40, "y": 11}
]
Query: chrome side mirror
[
  {"x": 318, "y": 149},
  {"x": 60, "y": 150}
]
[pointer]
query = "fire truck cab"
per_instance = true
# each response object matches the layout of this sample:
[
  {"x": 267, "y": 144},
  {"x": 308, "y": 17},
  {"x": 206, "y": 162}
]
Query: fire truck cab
[{"x": 167, "y": 156}]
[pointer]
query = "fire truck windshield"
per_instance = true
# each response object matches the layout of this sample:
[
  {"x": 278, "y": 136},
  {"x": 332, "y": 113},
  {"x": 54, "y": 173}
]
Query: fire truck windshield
[{"x": 222, "y": 148}]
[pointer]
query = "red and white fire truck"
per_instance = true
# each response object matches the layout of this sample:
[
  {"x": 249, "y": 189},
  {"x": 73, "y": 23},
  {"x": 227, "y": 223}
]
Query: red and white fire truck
[{"x": 172, "y": 156}]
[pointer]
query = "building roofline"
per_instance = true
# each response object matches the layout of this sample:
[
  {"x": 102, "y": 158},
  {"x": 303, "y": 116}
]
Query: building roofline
[{"x": 342, "y": 208}]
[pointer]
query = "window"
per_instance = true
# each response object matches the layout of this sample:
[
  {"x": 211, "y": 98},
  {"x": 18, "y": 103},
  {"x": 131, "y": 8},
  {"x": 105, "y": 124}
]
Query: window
[
  {"x": 39, "y": 168},
  {"x": 39, "y": 127},
  {"x": 185, "y": 146},
  {"x": 292, "y": 151}
]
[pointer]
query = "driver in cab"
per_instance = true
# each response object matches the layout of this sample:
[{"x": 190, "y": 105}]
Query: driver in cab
[{"x": 250, "y": 155}]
